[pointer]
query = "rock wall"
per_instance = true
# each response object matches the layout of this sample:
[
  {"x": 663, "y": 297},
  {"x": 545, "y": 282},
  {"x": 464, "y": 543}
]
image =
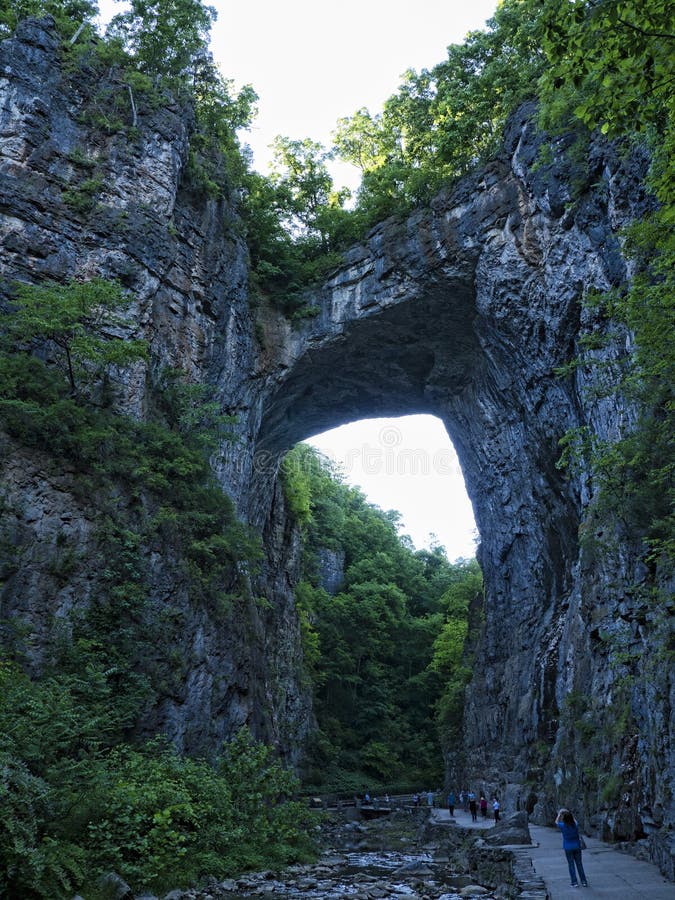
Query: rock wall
[
  {"x": 466, "y": 310},
  {"x": 181, "y": 258}
]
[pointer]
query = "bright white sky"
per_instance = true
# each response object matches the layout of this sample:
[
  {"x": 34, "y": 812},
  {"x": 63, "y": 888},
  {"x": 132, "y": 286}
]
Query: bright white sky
[
  {"x": 408, "y": 464},
  {"x": 311, "y": 63}
]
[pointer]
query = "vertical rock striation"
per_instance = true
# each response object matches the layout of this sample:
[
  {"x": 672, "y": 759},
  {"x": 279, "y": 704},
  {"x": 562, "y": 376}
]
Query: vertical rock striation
[
  {"x": 181, "y": 259},
  {"x": 465, "y": 311}
]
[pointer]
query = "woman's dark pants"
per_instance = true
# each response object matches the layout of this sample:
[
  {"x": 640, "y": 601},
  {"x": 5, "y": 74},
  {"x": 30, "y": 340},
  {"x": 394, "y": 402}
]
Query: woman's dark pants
[{"x": 574, "y": 856}]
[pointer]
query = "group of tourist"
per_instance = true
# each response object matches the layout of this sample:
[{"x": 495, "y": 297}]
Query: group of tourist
[
  {"x": 429, "y": 796},
  {"x": 469, "y": 803},
  {"x": 573, "y": 842}
]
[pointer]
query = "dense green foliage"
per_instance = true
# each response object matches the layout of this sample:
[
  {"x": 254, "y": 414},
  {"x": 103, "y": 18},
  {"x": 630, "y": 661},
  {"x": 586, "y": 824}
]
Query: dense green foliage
[
  {"x": 69, "y": 14},
  {"x": 80, "y": 796},
  {"x": 41, "y": 407},
  {"x": 609, "y": 63},
  {"x": 387, "y": 651},
  {"x": 69, "y": 322},
  {"x": 441, "y": 124},
  {"x": 445, "y": 121},
  {"x": 78, "y": 802},
  {"x": 296, "y": 225}
]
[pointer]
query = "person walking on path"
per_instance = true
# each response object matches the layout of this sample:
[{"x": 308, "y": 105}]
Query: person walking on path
[
  {"x": 473, "y": 806},
  {"x": 483, "y": 805},
  {"x": 495, "y": 808},
  {"x": 451, "y": 803},
  {"x": 571, "y": 845}
]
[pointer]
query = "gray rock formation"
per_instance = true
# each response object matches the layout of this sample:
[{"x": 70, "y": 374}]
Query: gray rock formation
[
  {"x": 331, "y": 565},
  {"x": 511, "y": 830},
  {"x": 189, "y": 278},
  {"x": 465, "y": 311}
]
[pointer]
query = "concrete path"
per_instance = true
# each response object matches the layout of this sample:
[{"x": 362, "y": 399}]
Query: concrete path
[{"x": 611, "y": 873}]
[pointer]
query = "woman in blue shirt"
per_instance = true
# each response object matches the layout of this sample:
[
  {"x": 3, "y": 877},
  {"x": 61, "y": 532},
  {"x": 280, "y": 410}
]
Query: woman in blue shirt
[{"x": 571, "y": 845}]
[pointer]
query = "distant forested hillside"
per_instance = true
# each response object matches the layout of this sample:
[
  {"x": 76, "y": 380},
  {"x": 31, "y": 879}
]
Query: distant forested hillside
[{"x": 388, "y": 653}]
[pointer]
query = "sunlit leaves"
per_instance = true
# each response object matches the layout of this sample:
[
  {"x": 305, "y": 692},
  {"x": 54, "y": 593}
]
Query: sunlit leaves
[
  {"x": 443, "y": 122},
  {"x": 68, "y": 14},
  {"x": 616, "y": 55},
  {"x": 362, "y": 140},
  {"x": 166, "y": 37}
]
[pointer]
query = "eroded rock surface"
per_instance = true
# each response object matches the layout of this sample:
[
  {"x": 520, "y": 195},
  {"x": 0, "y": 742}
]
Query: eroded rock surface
[{"x": 465, "y": 311}]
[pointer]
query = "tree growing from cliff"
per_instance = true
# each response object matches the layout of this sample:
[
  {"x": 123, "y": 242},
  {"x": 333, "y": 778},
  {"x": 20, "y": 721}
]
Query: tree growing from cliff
[
  {"x": 166, "y": 37},
  {"x": 75, "y": 325},
  {"x": 306, "y": 197},
  {"x": 81, "y": 794},
  {"x": 611, "y": 69},
  {"x": 297, "y": 221}
]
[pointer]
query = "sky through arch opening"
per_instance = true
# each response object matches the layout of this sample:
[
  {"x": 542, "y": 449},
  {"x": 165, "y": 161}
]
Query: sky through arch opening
[{"x": 408, "y": 464}]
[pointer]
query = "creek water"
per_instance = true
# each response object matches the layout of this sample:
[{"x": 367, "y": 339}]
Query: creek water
[
  {"x": 361, "y": 862},
  {"x": 361, "y": 876}
]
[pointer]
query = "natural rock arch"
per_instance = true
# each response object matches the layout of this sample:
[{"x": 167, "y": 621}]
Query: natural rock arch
[{"x": 466, "y": 311}]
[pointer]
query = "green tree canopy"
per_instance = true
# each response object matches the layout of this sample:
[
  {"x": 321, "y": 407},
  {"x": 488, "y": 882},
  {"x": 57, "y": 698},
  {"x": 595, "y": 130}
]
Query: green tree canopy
[
  {"x": 369, "y": 649},
  {"x": 165, "y": 37},
  {"x": 68, "y": 14}
]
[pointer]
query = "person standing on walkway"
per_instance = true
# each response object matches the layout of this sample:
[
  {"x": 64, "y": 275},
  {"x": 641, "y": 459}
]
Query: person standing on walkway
[
  {"x": 571, "y": 845},
  {"x": 451, "y": 803},
  {"x": 473, "y": 806},
  {"x": 495, "y": 808},
  {"x": 482, "y": 803}
]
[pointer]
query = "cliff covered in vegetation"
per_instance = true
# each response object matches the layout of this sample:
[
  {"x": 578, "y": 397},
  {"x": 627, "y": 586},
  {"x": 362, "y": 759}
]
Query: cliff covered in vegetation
[{"x": 146, "y": 346}]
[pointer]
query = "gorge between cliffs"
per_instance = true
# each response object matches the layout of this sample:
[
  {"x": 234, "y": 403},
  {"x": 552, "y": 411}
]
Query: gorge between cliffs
[{"x": 469, "y": 309}]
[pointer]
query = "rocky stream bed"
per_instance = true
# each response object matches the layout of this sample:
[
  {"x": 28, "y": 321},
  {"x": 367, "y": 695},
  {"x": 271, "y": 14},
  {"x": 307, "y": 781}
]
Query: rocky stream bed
[{"x": 407, "y": 855}]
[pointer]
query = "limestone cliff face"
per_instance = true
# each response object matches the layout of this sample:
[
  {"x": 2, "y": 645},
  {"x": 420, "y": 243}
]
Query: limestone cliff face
[
  {"x": 466, "y": 310},
  {"x": 187, "y": 271}
]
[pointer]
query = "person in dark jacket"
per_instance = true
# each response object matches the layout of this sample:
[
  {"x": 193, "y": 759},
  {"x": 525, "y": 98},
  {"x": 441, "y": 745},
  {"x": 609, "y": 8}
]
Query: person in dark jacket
[
  {"x": 473, "y": 806},
  {"x": 571, "y": 845}
]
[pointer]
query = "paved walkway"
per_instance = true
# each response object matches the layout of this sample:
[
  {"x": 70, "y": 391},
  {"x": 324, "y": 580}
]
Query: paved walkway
[{"x": 611, "y": 873}]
